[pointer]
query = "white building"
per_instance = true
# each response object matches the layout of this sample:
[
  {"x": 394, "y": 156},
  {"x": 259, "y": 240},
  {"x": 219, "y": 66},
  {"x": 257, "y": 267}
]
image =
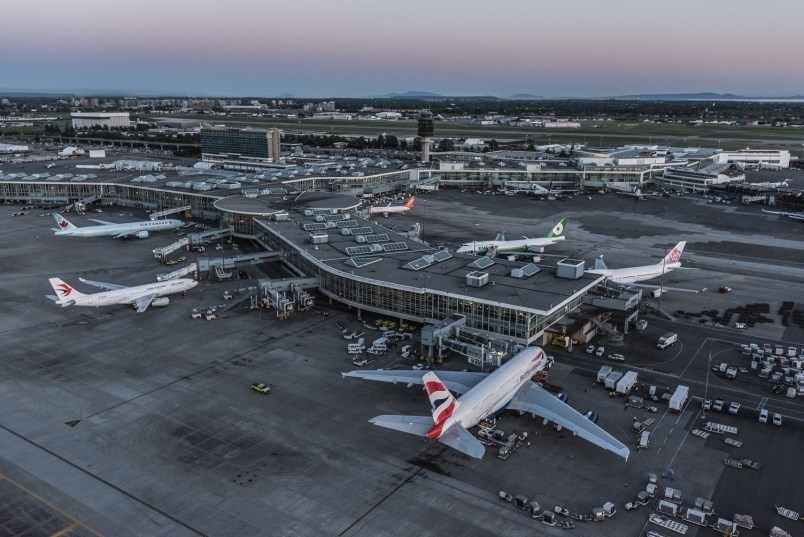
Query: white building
[
  {"x": 13, "y": 148},
  {"x": 113, "y": 120},
  {"x": 388, "y": 115},
  {"x": 766, "y": 158}
]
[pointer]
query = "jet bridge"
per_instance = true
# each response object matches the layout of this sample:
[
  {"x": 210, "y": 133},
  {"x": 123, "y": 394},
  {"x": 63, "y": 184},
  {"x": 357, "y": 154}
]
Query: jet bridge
[
  {"x": 197, "y": 239},
  {"x": 80, "y": 206},
  {"x": 178, "y": 273},
  {"x": 284, "y": 295},
  {"x": 222, "y": 267},
  {"x": 160, "y": 214},
  {"x": 162, "y": 253}
]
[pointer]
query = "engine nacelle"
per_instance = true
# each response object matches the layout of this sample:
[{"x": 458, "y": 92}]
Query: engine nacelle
[
  {"x": 142, "y": 234},
  {"x": 161, "y": 301}
]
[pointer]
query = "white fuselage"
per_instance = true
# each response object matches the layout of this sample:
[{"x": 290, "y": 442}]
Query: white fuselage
[
  {"x": 497, "y": 390},
  {"x": 389, "y": 209},
  {"x": 128, "y": 295},
  {"x": 112, "y": 230},
  {"x": 635, "y": 274},
  {"x": 521, "y": 245}
]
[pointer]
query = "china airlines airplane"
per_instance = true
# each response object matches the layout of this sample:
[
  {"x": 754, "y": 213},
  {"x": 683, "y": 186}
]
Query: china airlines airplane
[
  {"x": 484, "y": 395},
  {"x": 140, "y": 230},
  {"x": 388, "y": 209},
  {"x": 139, "y": 296}
]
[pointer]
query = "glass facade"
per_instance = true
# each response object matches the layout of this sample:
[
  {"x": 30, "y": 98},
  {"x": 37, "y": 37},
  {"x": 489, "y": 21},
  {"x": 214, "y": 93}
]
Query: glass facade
[{"x": 244, "y": 142}]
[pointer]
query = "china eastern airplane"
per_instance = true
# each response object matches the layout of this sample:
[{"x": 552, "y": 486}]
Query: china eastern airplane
[
  {"x": 523, "y": 246},
  {"x": 629, "y": 276},
  {"x": 388, "y": 209},
  {"x": 484, "y": 395},
  {"x": 139, "y": 296},
  {"x": 110, "y": 229}
]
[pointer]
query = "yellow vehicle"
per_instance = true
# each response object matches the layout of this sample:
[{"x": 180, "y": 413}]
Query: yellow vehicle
[{"x": 260, "y": 387}]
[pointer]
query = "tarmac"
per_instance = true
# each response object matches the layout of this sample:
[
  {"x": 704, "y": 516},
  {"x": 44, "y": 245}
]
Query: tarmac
[{"x": 117, "y": 423}]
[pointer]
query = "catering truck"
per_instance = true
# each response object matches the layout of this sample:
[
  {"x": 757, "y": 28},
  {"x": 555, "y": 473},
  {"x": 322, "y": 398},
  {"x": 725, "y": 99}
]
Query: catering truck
[
  {"x": 679, "y": 398},
  {"x": 666, "y": 340}
]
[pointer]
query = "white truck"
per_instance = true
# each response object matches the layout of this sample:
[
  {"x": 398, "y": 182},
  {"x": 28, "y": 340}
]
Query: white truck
[
  {"x": 612, "y": 379},
  {"x": 679, "y": 398},
  {"x": 627, "y": 383},
  {"x": 666, "y": 340},
  {"x": 603, "y": 373}
]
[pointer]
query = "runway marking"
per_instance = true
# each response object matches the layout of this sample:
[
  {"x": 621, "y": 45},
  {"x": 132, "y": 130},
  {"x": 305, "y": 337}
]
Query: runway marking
[{"x": 74, "y": 521}]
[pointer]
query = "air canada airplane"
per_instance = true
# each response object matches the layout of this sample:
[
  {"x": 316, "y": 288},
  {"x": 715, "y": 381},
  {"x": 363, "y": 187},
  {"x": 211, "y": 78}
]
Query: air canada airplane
[
  {"x": 484, "y": 395},
  {"x": 794, "y": 216},
  {"x": 388, "y": 209},
  {"x": 523, "y": 246},
  {"x": 110, "y": 229},
  {"x": 139, "y": 296}
]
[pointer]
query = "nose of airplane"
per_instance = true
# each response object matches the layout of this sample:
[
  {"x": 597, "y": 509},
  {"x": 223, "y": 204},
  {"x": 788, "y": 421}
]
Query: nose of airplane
[{"x": 193, "y": 283}]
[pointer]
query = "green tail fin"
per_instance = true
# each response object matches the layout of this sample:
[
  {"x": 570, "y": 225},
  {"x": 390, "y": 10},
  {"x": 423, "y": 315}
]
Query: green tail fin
[{"x": 559, "y": 229}]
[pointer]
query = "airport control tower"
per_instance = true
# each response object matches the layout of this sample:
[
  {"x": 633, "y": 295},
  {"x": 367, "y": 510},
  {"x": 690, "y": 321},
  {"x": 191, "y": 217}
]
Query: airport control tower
[{"x": 425, "y": 133}]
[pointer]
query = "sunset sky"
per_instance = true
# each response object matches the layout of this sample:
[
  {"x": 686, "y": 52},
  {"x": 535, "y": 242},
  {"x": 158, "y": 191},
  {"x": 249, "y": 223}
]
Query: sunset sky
[{"x": 344, "y": 48}]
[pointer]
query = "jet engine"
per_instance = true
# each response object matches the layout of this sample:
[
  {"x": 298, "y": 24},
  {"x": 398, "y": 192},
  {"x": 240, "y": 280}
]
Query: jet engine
[
  {"x": 161, "y": 301},
  {"x": 142, "y": 234}
]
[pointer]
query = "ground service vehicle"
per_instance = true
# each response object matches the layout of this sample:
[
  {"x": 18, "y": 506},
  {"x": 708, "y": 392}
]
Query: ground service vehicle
[
  {"x": 666, "y": 340},
  {"x": 763, "y": 415},
  {"x": 679, "y": 398},
  {"x": 260, "y": 387}
]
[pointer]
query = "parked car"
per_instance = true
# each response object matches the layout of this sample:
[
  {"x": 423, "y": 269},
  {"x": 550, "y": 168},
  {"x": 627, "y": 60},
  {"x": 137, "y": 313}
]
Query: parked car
[
  {"x": 717, "y": 406},
  {"x": 590, "y": 349},
  {"x": 734, "y": 408},
  {"x": 617, "y": 357},
  {"x": 599, "y": 352},
  {"x": 707, "y": 404},
  {"x": 763, "y": 415},
  {"x": 777, "y": 420}
]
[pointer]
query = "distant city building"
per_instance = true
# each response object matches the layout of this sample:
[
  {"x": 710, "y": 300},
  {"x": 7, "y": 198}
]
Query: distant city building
[
  {"x": 13, "y": 148},
  {"x": 112, "y": 120}
]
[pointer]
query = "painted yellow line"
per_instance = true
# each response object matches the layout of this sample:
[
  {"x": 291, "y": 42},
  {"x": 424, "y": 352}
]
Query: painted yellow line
[
  {"x": 65, "y": 530},
  {"x": 75, "y": 521}
]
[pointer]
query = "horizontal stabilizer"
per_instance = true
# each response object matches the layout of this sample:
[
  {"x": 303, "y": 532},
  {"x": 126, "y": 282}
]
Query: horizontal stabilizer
[
  {"x": 418, "y": 425},
  {"x": 459, "y": 438},
  {"x": 535, "y": 400}
]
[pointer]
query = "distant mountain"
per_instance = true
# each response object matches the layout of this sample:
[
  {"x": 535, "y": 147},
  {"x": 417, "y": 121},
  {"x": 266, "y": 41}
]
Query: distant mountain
[
  {"x": 524, "y": 97},
  {"x": 287, "y": 96},
  {"x": 407, "y": 95},
  {"x": 9, "y": 92},
  {"x": 703, "y": 96}
]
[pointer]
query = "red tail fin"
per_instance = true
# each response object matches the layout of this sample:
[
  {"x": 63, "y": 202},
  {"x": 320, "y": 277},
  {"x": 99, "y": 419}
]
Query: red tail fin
[{"x": 410, "y": 202}]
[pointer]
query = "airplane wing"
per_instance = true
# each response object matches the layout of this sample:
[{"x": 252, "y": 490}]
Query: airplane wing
[
  {"x": 681, "y": 289},
  {"x": 103, "y": 222},
  {"x": 107, "y": 286},
  {"x": 533, "y": 399},
  {"x": 456, "y": 381},
  {"x": 143, "y": 302},
  {"x": 126, "y": 233}
]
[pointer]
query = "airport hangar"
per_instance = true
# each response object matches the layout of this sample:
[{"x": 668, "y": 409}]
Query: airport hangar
[{"x": 364, "y": 265}]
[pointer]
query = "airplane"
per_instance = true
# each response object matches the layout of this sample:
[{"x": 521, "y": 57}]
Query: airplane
[
  {"x": 388, "y": 209},
  {"x": 139, "y": 296},
  {"x": 484, "y": 395},
  {"x": 110, "y": 229},
  {"x": 631, "y": 275},
  {"x": 524, "y": 245},
  {"x": 794, "y": 216}
]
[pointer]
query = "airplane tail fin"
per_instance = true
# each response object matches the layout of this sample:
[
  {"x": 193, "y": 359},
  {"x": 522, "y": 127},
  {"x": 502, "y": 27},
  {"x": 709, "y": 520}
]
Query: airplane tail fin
[
  {"x": 500, "y": 236},
  {"x": 559, "y": 229},
  {"x": 63, "y": 223},
  {"x": 599, "y": 264},
  {"x": 65, "y": 294},
  {"x": 410, "y": 202},
  {"x": 674, "y": 256},
  {"x": 442, "y": 401}
]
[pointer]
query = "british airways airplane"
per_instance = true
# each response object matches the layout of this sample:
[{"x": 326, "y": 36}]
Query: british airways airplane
[
  {"x": 140, "y": 230},
  {"x": 483, "y": 395}
]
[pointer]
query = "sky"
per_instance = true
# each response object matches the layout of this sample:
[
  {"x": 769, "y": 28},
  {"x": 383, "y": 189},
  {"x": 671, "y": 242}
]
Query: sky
[{"x": 358, "y": 48}]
